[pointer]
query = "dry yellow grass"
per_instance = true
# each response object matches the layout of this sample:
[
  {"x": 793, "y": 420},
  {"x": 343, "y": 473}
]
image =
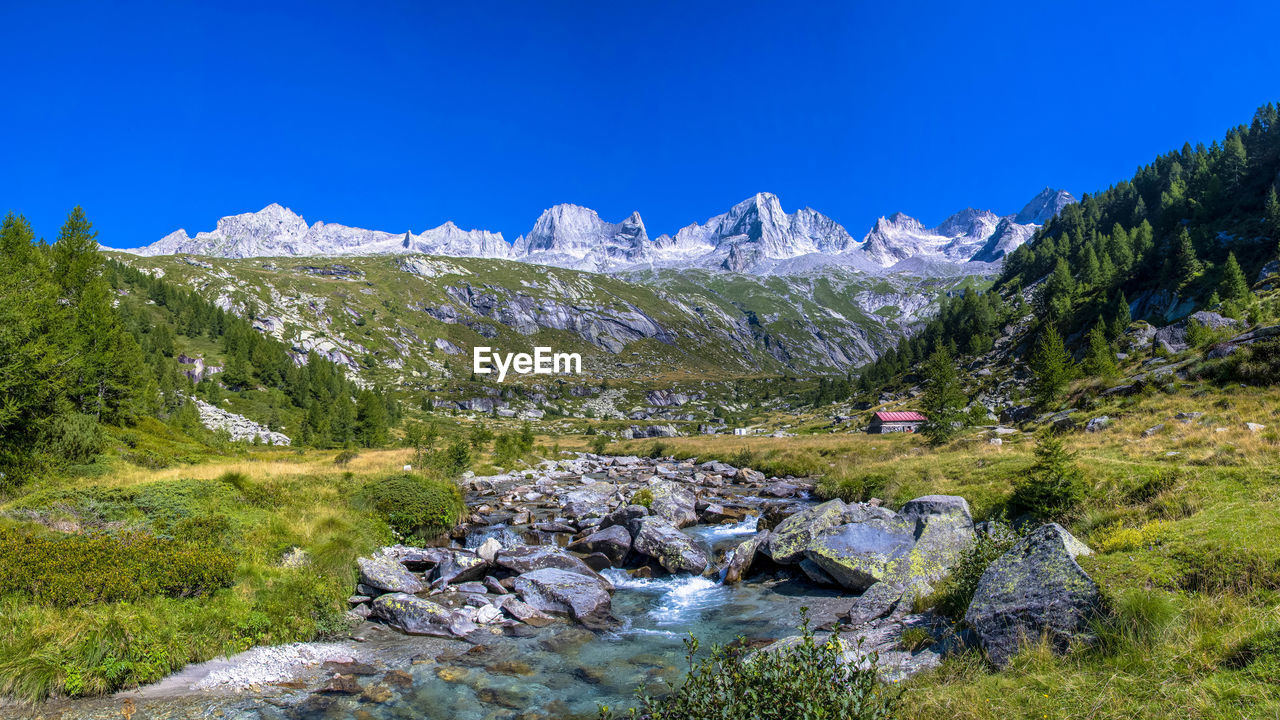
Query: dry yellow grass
[{"x": 260, "y": 466}]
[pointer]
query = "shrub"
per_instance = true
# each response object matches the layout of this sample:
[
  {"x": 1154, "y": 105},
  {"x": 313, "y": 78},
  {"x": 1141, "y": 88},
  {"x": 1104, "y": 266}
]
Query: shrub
[
  {"x": 644, "y": 497},
  {"x": 414, "y": 506},
  {"x": 72, "y": 438},
  {"x": 806, "y": 680},
  {"x": 1053, "y": 488},
  {"x": 658, "y": 449},
  {"x": 599, "y": 444},
  {"x": 69, "y": 570},
  {"x": 343, "y": 458},
  {"x": 1257, "y": 364}
]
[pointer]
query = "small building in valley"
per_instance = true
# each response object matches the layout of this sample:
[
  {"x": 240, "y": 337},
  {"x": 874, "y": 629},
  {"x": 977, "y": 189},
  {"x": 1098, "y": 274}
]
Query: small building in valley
[{"x": 895, "y": 422}]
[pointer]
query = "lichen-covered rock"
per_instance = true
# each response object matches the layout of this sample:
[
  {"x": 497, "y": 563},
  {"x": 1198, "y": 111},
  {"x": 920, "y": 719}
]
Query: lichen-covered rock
[
  {"x": 792, "y": 536},
  {"x": 943, "y": 527},
  {"x": 414, "y": 616},
  {"x": 553, "y": 590},
  {"x": 674, "y": 503},
  {"x": 858, "y": 555},
  {"x": 674, "y": 551},
  {"x": 614, "y": 542},
  {"x": 1035, "y": 590},
  {"x": 386, "y": 574},
  {"x": 741, "y": 557}
]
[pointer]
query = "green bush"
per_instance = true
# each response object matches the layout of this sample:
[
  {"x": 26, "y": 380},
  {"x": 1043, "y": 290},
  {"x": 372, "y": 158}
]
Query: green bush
[
  {"x": 68, "y": 570},
  {"x": 802, "y": 681},
  {"x": 345, "y": 457},
  {"x": 643, "y": 497},
  {"x": 414, "y": 506},
  {"x": 72, "y": 438},
  {"x": 658, "y": 449},
  {"x": 599, "y": 444},
  {"x": 1053, "y": 488}
]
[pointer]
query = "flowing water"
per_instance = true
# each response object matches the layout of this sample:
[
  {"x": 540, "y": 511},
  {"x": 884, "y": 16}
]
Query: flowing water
[{"x": 565, "y": 671}]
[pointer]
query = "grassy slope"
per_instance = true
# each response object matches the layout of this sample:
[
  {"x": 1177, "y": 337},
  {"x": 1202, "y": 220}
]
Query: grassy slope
[
  {"x": 285, "y": 500},
  {"x": 1188, "y": 553}
]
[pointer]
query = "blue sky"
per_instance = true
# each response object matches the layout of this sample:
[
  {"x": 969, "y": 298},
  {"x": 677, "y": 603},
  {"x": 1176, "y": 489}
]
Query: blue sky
[{"x": 401, "y": 116}]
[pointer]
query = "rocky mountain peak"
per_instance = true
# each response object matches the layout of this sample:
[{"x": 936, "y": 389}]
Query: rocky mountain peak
[{"x": 1047, "y": 203}]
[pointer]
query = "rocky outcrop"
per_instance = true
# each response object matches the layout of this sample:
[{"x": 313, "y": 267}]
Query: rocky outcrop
[
  {"x": 238, "y": 426},
  {"x": 1036, "y": 590}
]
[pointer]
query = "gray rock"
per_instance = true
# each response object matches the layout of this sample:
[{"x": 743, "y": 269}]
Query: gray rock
[
  {"x": 488, "y": 549},
  {"x": 388, "y": 575},
  {"x": 943, "y": 528},
  {"x": 592, "y": 501},
  {"x": 1151, "y": 431},
  {"x": 674, "y": 551},
  {"x": 792, "y": 536},
  {"x": 1035, "y": 590},
  {"x": 860, "y": 554},
  {"x": 415, "y": 616},
  {"x": 584, "y": 598},
  {"x": 524, "y": 612},
  {"x": 459, "y": 567},
  {"x": 627, "y": 516},
  {"x": 673, "y": 503},
  {"x": 741, "y": 557},
  {"x": 614, "y": 542},
  {"x": 1097, "y": 424},
  {"x": 527, "y": 558}
]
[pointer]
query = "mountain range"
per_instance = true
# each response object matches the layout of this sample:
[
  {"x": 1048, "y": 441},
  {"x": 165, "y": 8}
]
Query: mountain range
[{"x": 755, "y": 236}]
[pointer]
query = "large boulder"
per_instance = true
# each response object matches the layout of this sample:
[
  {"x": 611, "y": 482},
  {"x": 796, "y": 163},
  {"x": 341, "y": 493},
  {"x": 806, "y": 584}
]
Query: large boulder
[
  {"x": 859, "y": 554},
  {"x": 388, "y": 575},
  {"x": 1036, "y": 590},
  {"x": 582, "y": 597},
  {"x": 614, "y": 542},
  {"x": 674, "y": 551},
  {"x": 943, "y": 527},
  {"x": 792, "y": 536},
  {"x": 527, "y": 558},
  {"x": 413, "y": 615},
  {"x": 674, "y": 503}
]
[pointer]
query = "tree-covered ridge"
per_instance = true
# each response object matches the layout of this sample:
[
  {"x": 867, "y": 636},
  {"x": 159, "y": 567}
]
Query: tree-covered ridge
[
  {"x": 87, "y": 342},
  {"x": 1186, "y": 231}
]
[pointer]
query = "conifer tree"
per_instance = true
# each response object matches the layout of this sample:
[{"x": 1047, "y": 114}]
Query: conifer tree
[
  {"x": 1233, "y": 287},
  {"x": 1183, "y": 266},
  {"x": 943, "y": 399},
  {"x": 1100, "y": 360},
  {"x": 1052, "y": 368},
  {"x": 1273, "y": 214}
]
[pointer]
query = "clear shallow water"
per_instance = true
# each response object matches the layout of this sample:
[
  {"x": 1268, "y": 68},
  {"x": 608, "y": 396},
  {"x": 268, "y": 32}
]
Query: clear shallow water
[{"x": 564, "y": 671}]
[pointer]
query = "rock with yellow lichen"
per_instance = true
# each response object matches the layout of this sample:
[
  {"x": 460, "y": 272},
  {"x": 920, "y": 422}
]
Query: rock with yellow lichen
[{"x": 1036, "y": 590}]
